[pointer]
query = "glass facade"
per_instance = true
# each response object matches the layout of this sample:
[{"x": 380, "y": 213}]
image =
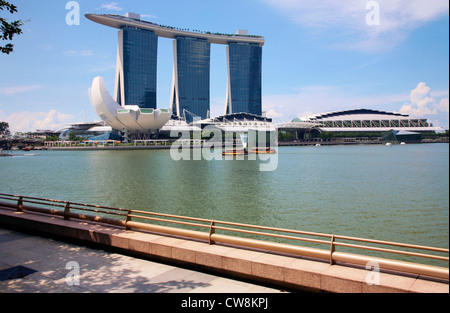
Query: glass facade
[
  {"x": 140, "y": 49},
  {"x": 193, "y": 77},
  {"x": 245, "y": 70}
]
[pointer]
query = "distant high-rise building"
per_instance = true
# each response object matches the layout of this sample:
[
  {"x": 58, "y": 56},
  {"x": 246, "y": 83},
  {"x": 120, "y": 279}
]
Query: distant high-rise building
[
  {"x": 136, "y": 70},
  {"x": 244, "y": 78},
  {"x": 191, "y": 77}
]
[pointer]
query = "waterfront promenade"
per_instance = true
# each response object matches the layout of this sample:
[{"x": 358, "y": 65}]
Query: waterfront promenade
[
  {"x": 101, "y": 271},
  {"x": 207, "y": 264}
]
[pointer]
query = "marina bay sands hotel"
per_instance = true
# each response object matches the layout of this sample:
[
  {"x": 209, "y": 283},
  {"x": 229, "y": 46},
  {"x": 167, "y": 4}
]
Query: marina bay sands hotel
[{"x": 135, "y": 100}]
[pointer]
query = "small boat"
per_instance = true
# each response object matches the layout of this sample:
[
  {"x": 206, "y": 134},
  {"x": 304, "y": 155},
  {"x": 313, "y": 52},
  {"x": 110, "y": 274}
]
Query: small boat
[
  {"x": 235, "y": 152},
  {"x": 263, "y": 151}
]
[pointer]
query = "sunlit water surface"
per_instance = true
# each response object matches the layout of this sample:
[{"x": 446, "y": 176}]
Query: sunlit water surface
[{"x": 398, "y": 193}]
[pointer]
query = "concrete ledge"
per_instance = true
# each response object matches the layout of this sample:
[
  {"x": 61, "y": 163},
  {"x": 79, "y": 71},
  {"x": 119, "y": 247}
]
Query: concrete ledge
[{"x": 285, "y": 271}]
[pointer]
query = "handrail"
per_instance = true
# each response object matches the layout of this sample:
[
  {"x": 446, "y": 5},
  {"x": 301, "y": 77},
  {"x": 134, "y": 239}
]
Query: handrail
[{"x": 130, "y": 220}]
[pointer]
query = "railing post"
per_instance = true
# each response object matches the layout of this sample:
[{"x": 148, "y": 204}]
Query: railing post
[
  {"x": 331, "y": 249},
  {"x": 20, "y": 204},
  {"x": 212, "y": 230},
  {"x": 127, "y": 219},
  {"x": 67, "y": 211}
]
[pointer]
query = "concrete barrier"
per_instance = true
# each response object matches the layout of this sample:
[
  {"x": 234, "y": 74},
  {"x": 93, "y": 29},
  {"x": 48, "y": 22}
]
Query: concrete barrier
[{"x": 286, "y": 271}]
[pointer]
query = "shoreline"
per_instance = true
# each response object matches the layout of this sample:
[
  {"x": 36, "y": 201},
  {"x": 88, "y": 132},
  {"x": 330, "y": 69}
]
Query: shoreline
[
  {"x": 280, "y": 144},
  {"x": 165, "y": 147}
]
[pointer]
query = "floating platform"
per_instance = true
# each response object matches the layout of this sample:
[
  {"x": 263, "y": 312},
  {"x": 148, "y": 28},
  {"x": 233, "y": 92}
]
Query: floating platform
[
  {"x": 262, "y": 151},
  {"x": 15, "y": 155},
  {"x": 235, "y": 152}
]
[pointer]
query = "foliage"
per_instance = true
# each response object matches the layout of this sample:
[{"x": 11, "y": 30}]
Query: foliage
[
  {"x": 4, "y": 128},
  {"x": 52, "y": 138},
  {"x": 431, "y": 135},
  {"x": 285, "y": 136},
  {"x": 330, "y": 135},
  {"x": 8, "y": 30},
  {"x": 73, "y": 137}
]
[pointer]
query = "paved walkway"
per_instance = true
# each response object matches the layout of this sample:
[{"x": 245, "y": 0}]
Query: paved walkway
[{"x": 57, "y": 265}]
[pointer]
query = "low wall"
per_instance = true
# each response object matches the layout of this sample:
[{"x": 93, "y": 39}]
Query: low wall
[{"x": 285, "y": 271}]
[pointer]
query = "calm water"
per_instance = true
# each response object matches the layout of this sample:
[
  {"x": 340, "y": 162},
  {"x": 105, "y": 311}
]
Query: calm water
[{"x": 398, "y": 193}]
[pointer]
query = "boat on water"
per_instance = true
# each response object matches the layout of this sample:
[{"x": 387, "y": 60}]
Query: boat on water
[
  {"x": 33, "y": 148},
  {"x": 252, "y": 151},
  {"x": 235, "y": 152},
  {"x": 263, "y": 150}
]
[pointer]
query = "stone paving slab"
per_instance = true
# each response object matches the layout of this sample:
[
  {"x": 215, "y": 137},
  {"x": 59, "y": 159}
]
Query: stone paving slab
[{"x": 101, "y": 271}]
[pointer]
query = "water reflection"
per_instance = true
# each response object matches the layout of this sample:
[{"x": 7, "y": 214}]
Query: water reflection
[{"x": 398, "y": 193}]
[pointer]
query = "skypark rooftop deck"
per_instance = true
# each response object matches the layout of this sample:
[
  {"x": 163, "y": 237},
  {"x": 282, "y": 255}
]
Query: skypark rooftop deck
[{"x": 118, "y": 21}]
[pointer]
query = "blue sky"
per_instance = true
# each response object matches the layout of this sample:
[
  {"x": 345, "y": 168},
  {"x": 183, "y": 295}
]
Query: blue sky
[{"x": 319, "y": 56}]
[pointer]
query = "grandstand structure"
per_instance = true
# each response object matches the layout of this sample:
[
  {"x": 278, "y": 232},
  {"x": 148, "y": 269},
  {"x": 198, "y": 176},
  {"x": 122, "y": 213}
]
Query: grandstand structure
[{"x": 361, "y": 120}]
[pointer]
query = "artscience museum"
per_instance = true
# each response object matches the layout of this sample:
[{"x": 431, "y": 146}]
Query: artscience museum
[{"x": 127, "y": 118}]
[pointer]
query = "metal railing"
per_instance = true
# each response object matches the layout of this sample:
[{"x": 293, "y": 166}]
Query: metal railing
[{"x": 245, "y": 235}]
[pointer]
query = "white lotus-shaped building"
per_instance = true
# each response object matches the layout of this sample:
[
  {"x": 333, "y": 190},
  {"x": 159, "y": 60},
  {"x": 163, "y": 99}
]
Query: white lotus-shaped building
[{"x": 129, "y": 118}]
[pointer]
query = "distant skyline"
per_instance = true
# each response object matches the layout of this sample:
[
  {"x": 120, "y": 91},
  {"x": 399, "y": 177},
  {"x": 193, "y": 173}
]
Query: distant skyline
[{"x": 319, "y": 56}]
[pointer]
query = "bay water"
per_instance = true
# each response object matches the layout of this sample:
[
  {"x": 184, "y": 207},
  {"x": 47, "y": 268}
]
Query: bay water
[{"x": 396, "y": 193}]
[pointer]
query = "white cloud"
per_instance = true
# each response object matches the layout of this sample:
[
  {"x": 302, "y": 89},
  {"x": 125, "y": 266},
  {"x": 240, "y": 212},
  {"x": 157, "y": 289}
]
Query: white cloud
[
  {"x": 83, "y": 52},
  {"x": 45, "y": 47},
  {"x": 31, "y": 121},
  {"x": 217, "y": 106},
  {"x": 320, "y": 99},
  {"x": 274, "y": 114},
  {"x": 149, "y": 16},
  {"x": 12, "y": 90},
  {"x": 422, "y": 103},
  {"x": 111, "y": 6},
  {"x": 347, "y": 19},
  {"x": 443, "y": 105}
]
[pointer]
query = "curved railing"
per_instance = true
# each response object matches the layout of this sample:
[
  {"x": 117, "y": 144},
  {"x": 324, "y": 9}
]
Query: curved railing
[{"x": 207, "y": 230}]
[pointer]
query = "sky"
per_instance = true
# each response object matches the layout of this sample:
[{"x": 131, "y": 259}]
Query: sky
[{"x": 319, "y": 56}]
